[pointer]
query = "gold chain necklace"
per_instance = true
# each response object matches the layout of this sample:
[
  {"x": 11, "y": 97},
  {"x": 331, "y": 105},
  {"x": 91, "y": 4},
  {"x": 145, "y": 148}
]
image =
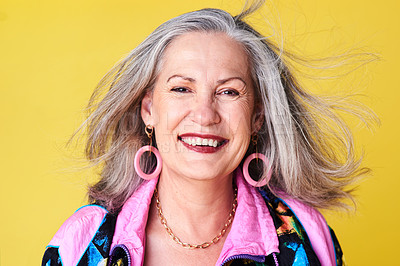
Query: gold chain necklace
[{"x": 195, "y": 246}]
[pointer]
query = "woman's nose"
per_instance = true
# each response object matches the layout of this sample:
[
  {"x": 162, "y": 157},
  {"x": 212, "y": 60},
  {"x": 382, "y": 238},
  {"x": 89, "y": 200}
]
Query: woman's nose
[{"x": 205, "y": 111}]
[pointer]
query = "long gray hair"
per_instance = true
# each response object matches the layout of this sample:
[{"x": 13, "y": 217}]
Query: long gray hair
[{"x": 309, "y": 147}]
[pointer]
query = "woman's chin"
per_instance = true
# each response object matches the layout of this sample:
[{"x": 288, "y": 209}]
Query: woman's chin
[{"x": 200, "y": 172}]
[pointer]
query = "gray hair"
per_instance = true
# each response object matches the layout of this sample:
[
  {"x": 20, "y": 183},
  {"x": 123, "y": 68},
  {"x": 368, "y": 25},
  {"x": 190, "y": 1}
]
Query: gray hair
[{"x": 309, "y": 147}]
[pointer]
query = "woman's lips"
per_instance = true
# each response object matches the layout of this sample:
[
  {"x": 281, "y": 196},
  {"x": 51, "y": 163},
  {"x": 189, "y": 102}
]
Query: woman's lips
[{"x": 204, "y": 143}]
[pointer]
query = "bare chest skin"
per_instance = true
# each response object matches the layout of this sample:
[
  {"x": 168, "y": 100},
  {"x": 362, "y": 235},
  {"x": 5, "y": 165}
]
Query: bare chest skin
[{"x": 160, "y": 249}]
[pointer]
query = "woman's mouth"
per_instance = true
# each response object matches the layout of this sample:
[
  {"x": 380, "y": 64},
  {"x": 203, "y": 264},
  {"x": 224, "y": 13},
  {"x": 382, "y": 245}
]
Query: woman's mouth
[{"x": 202, "y": 143}]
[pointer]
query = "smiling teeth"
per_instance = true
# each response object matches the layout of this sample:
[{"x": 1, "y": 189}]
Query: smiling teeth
[{"x": 200, "y": 142}]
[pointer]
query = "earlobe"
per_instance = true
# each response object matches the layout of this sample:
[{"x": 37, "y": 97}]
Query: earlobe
[{"x": 146, "y": 109}]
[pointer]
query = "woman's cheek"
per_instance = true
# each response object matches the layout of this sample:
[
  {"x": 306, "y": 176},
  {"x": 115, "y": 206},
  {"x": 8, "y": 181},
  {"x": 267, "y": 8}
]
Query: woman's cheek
[
  {"x": 238, "y": 117},
  {"x": 172, "y": 114}
]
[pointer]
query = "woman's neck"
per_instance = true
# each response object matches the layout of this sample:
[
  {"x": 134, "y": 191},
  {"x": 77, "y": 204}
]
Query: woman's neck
[{"x": 195, "y": 210}]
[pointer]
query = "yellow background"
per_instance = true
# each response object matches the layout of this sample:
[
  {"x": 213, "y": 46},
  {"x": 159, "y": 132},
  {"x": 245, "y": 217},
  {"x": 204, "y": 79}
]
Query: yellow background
[{"x": 53, "y": 53}]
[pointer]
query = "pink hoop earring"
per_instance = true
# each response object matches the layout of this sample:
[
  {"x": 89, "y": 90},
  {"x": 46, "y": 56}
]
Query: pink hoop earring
[
  {"x": 246, "y": 174},
  {"x": 136, "y": 164}
]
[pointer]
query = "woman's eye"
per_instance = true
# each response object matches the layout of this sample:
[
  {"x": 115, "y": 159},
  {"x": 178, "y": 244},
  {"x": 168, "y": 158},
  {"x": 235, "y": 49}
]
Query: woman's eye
[
  {"x": 180, "y": 89},
  {"x": 230, "y": 92}
]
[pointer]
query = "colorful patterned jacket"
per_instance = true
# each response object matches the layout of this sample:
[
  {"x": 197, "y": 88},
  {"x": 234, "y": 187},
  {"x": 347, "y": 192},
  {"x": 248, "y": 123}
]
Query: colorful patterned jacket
[{"x": 265, "y": 231}]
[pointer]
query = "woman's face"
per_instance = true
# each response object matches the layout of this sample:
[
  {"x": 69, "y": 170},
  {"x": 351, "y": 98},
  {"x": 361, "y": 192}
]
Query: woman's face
[{"x": 202, "y": 106}]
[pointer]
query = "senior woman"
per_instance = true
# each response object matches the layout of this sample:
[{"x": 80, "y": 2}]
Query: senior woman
[{"x": 240, "y": 158}]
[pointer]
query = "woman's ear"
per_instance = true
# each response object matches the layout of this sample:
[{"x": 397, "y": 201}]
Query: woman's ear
[
  {"x": 258, "y": 118},
  {"x": 146, "y": 109}
]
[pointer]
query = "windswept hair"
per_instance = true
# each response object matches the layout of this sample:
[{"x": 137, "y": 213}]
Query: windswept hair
[{"x": 310, "y": 148}]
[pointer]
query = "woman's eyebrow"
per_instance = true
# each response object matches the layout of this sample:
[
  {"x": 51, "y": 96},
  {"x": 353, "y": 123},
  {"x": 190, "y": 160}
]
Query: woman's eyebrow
[
  {"x": 182, "y": 77},
  {"x": 222, "y": 81}
]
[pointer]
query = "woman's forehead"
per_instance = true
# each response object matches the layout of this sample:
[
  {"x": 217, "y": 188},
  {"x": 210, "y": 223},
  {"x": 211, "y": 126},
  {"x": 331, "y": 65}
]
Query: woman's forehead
[{"x": 201, "y": 51}]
